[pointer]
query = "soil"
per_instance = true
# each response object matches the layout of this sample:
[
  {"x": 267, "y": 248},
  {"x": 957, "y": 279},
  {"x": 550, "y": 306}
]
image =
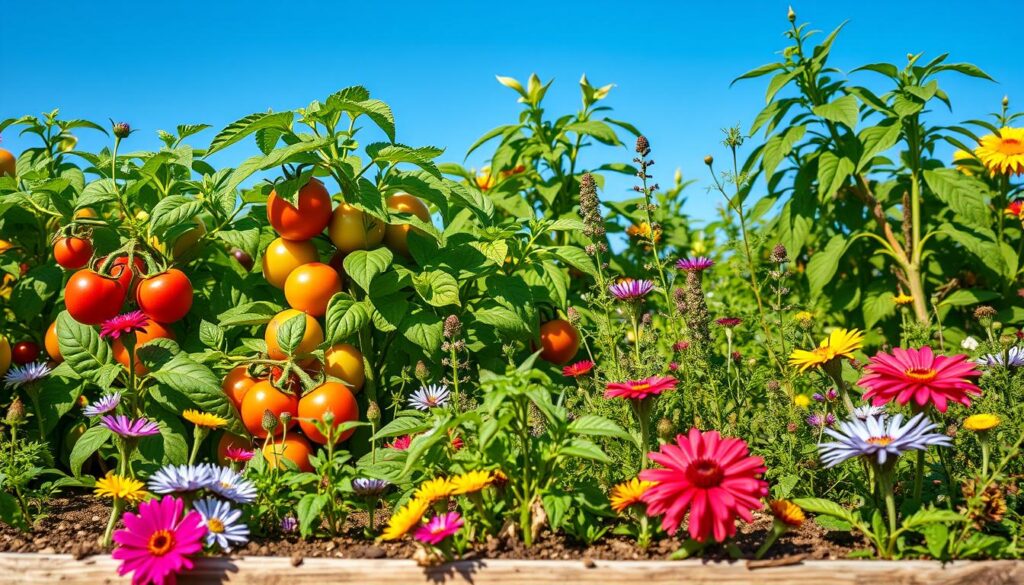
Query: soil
[{"x": 74, "y": 525}]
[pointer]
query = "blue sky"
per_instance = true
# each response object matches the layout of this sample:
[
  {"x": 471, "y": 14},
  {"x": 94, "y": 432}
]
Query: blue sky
[{"x": 157, "y": 64}]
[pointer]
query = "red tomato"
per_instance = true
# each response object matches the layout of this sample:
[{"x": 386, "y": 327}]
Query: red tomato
[
  {"x": 166, "y": 297},
  {"x": 153, "y": 331},
  {"x": 559, "y": 340},
  {"x": 72, "y": 253},
  {"x": 25, "y": 352},
  {"x": 128, "y": 278},
  {"x": 333, "y": 397},
  {"x": 308, "y": 220},
  {"x": 261, "y": 397},
  {"x": 294, "y": 448},
  {"x": 92, "y": 298},
  {"x": 237, "y": 383},
  {"x": 310, "y": 287}
]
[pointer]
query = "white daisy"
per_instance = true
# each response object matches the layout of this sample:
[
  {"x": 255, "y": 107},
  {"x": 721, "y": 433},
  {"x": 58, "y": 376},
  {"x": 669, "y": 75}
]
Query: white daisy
[
  {"x": 428, "y": 397},
  {"x": 230, "y": 484},
  {"x": 222, "y": 523}
]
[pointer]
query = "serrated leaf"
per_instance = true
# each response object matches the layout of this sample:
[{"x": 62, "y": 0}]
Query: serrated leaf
[
  {"x": 239, "y": 129},
  {"x": 81, "y": 346},
  {"x": 363, "y": 265},
  {"x": 172, "y": 211},
  {"x": 824, "y": 263},
  {"x": 437, "y": 288},
  {"x": 843, "y": 110}
]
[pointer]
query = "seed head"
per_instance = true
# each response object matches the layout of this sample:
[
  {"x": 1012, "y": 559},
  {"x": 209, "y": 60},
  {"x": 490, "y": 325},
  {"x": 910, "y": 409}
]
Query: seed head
[
  {"x": 269, "y": 421},
  {"x": 666, "y": 429},
  {"x": 779, "y": 254},
  {"x": 373, "y": 412},
  {"x": 15, "y": 412},
  {"x": 422, "y": 373},
  {"x": 643, "y": 146},
  {"x": 452, "y": 326}
]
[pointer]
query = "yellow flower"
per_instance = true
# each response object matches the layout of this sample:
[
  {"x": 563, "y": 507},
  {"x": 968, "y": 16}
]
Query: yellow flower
[
  {"x": 405, "y": 518},
  {"x": 804, "y": 316},
  {"x": 125, "y": 488},
  {"x": 434, "y": 489},
  {"x": 959, "y": 158},
  {"x": 802, "y": 400},
  {"x": 840, "y": 343},
  {"x": 787, "y": 512},
  {"x": 643, "y": 231},
  {"x": 470, "y": 482},
  {"x": 628, "y": 493},
  {"x": 981, "y": 422},
  {"x": 902, "y": 299},
  {"x": 1003, "y": 154},
  {"x": 485, "y": 180},
  {"x": 204, "y": 419}
]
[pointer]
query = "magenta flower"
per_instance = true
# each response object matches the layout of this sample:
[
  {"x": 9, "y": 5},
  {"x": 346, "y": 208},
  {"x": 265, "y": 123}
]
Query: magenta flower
[
  {"x": 238, "y": 454},
  {"x": 439, "y": 528},
  {"x": 729, "y": 322},
  {"x": 135, "y": 321},
  {"x": 126, "y": 427},
  {"x": 580, "y": 368},
  {"x": 631, "y": 290},
  {"x": 921, "y": 376},
  {"x": 640, "y": 389},
  {"x": 401, "y": 443},
  {"x": 698, "y": 264},
  {"x": 156, "y": 543}
]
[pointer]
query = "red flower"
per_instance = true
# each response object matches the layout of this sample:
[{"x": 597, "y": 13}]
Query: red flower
[
  {"x": 640, "y": 389},
  {"x": 401, "y": 443},
  {"x": 456, "y": 441},
  {"x": 1015, "y": 208},
  {"x": 920, "y": 375},
  {"x": 729, "y": 322},
  {"x": 578, "y": 369},
  {"x": 714, "y": 478}
]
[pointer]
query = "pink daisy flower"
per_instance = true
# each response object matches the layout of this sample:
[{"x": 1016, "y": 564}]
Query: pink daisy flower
[
  {"x": 156, "y": 543},
  {"x": 578, "y": 369},
  {"x": 921, "y": 376},
  {"x": 713, "y": 478},
  {"x": 439, "y": 528},
  {"x": 640, "y": 389},
  {"x": 113, "y": 328},
  {"x": 401, "y": 443},
  {"x": 237, "y": 454},
  {"x": 697, "y": 264}
]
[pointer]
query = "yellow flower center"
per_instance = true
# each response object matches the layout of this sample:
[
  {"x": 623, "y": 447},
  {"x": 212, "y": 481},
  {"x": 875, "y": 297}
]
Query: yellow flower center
[
  {"x": 881, "y": 441},
  {"x": 921, "y": 374},
  {"x": 640, "y": 387},
  {"x": 161, "y": 542},
  {"x": 215, "y": 525},
  {"x": 1011, "y": 146}
]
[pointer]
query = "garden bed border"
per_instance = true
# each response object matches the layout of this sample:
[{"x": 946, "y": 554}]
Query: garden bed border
[{"x": 36, "y": 569}]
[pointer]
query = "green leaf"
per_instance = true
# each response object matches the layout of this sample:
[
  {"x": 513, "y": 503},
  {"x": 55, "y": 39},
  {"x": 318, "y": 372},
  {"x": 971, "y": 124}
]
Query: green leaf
[
  {"x": 824, "y": 263},
  {"x": 172, "y": 211},
  {"x": 584, "y": 449},
  {"x": 437, "y": 288},
  {"x": 399, "y": 153},
  {"x": 592, "y": 424},
  {"x": 599, "y": 130},
  {"x": 346, "y": 317},
  {"x": 827, "y": 508},
  {"x": 502, "y": 318},
  {"x": 401, "y": 426},
  {"x": 308, "y": 511},
  {"x": 843, "y": 111},
  {"x": 968, "y": 296},
  {"x": 291, "y": 332},
  {"x": 832, "y": 173},
  {"x": 758, "y": 72},
  {"x": 876, "y": 140},
  {"x": 91, "y": 440},
  {"x": 424, "y": 329},
  {"x": 575, "y": 257},
  {"x": 362, "y": 265},
  {"x": 966, "y": 196},
  {"x": 375, "y": 110},
  {"x": 81, "y": 347},
  {"x": 275, "y": 158},
  {"x": 239, "y": 129},
  {"x": 210, "y": 335}
]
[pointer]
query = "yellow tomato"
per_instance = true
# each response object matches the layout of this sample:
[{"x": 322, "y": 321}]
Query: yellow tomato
[
  {"x": 5, "y": 355},
  {"x": 282, "y": 256},
  {"x": 312, "y": 337},
  {"x": 396, "y": 236},
  {"x": 351, "y": 229},
  {"x": 187, "y": 240},
  {"x": 345, "y": 362}
]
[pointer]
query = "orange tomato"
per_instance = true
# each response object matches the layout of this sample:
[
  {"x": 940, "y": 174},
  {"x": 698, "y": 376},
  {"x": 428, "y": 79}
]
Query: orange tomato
[
  {"x": 186, "y": 241},
  {"x": 351, "y": 229},
  {"x": 310, "y": 287},
  {"x": 560, "y": 341},
  {"x": 312, "y": 337},
  {"x": 309, "y": 219},
  {"x": 86, "y": 212},
  {"x": 236, "y": 384},
  {"x": 261, "y": 397},
  {"x": 329, "y": 396},
  {"x": 294, "y": 448},
  {"x": 229, "y": 440},
  {"x": 71, "y": 252},
  {"x": 7, "y": 163},
  {"x": 5, "y": 355},
  {"x": 282, "y": 256},
  {"x": 50, "y": 342},
  {"x": 153, "y": 331},
  {"x": 396, "y": 236},
  {"x": 345, "y": 362}
]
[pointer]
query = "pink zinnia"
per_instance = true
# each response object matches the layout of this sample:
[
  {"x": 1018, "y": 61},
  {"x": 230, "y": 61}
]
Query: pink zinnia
[
  {"x": 578, "y": 369},
  {"x": 115, "y": 327},
  {"x": 439, "y": 528},
  {"x": 401, "y": 443},
  {"x": 237, "y": 454},
  {"x": 714, "y": 478},
  {"x": 920, "y": 375},
  {"x": 639, "y": 389},
  {"x": 155, "y": 544}
]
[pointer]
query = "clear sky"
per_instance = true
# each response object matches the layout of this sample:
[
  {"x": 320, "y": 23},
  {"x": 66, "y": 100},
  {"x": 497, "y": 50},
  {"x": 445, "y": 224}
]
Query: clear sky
[{"x": 158, "y": 64}]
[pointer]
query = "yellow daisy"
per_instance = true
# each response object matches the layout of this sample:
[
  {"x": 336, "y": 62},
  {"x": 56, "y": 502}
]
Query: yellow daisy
[
  {"x": 434, "y": 489},
  {"x": 902, "y": 299},
  {"x": 959, "y": 158},
  {"x": 804, "y": 316},
  {"x": 802, "y": 400},
  {"x": 628, "y": 493},
  {"x": 643, "y": 231},
  {"x": 405, "y": 519},
  {"x": 981, "y": 422},
  {"x": 470, "y": 482},
  {"x": 787, "y": 512},
  {"x": 125, "y": 488},
  {"x": 840, "y": 343},
  {"x": 1003, "y": 154},
  {"x": 485, "y": 180},
  {"x": 204, "y": 419}
]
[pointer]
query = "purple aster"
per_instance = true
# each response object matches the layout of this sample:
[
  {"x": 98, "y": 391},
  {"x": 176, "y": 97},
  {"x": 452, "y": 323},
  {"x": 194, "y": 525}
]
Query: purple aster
[
  {"x": 229, "y": 484},
  {"x": 818, "y": 397},
  {"x": 697, "y": 264},
  {"x": 105, "y": 404},
  {"x": 289, "y": 524},
  {"x": 369, "y": 488},
  {"x": 26, "y": 374},
  {"x": 1014, "y": 358},
  {"x": 126, "y": 427},
  {"x": 631, "y": 290},
  {"x": 880, "y": 438}
]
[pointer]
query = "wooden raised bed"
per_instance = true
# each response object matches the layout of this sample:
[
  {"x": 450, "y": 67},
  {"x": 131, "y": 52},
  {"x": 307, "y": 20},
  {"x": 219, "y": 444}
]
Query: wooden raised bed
[{"x": 39, "y": 569}]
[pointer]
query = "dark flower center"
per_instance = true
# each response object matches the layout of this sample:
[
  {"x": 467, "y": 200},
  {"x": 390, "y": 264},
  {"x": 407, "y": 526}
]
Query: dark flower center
[
  {"x": 705, "y": 473},
  {"x": 161, "y": 542}
]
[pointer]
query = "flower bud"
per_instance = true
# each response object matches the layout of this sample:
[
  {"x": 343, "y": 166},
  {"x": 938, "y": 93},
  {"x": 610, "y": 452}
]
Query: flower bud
[
  {"x": 1006, "y": 101},
  {"x": 421, "y": 371},
  {"x": 452, "y": 326},
  {"x": 15, "y": 412},
  {"x": 286, "y": 418},
  {"x": 709, "y": 160},
  {"x": 269, "y": 421},
  {"x": 373, "y": 413},
  {"x": 328, "y": 418},
  {"x": 643, "y": 146},
  {"x": 791, "y": 14},
  {"x": 122, "y": 130},
  {"x": 666, "y": 429},
  {"x": 779, "y": 254}
]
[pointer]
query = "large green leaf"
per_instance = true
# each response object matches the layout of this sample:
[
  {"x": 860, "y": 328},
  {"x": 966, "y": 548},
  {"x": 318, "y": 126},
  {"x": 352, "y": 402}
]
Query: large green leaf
[
  {"x": 363, "y": 265},
  {"x": 966, "y": 196},
  {"x": 91, "y": 440},
  {"x": 824, "y": 263},
  {"x": 239, "y": 129},
  {"x": 437, "y": 288},
  {"x": 843, "y": 110},
  {"x": 81, "y": 347}
]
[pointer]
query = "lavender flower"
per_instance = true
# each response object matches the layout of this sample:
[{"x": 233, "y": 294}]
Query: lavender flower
[
  {"x": 631, "y": 290},
  {"x": 369, "y": 488},
  {"x": 289, "y": 524},
  {"x": 1014, "y": 358},
  {"x": 173, "y": 479},
  {"x": 126, "y": 427},
  {"x": 26, "y": 374},
  {"x": 229, "y": 484},
  {"x": 696, "y": 264},
  {"x": 223, "y": 525},
  {"x": 106, "y": 403},
  {"x": 427, "y": 397},
  {"x": 880, "y": 438},
  {"x": 863, "y": 412}
]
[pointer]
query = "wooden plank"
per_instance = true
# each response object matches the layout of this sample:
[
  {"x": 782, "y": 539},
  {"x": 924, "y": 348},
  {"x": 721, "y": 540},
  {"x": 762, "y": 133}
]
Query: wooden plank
[{"x": 34, "y": 569}]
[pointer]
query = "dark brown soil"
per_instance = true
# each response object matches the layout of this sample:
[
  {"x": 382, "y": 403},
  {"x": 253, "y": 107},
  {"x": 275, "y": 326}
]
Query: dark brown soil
[{"x": 75, "y": 525}]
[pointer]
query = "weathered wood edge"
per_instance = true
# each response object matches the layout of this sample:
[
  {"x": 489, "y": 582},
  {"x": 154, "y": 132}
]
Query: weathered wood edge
[{"x": 39, "y": 568}]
